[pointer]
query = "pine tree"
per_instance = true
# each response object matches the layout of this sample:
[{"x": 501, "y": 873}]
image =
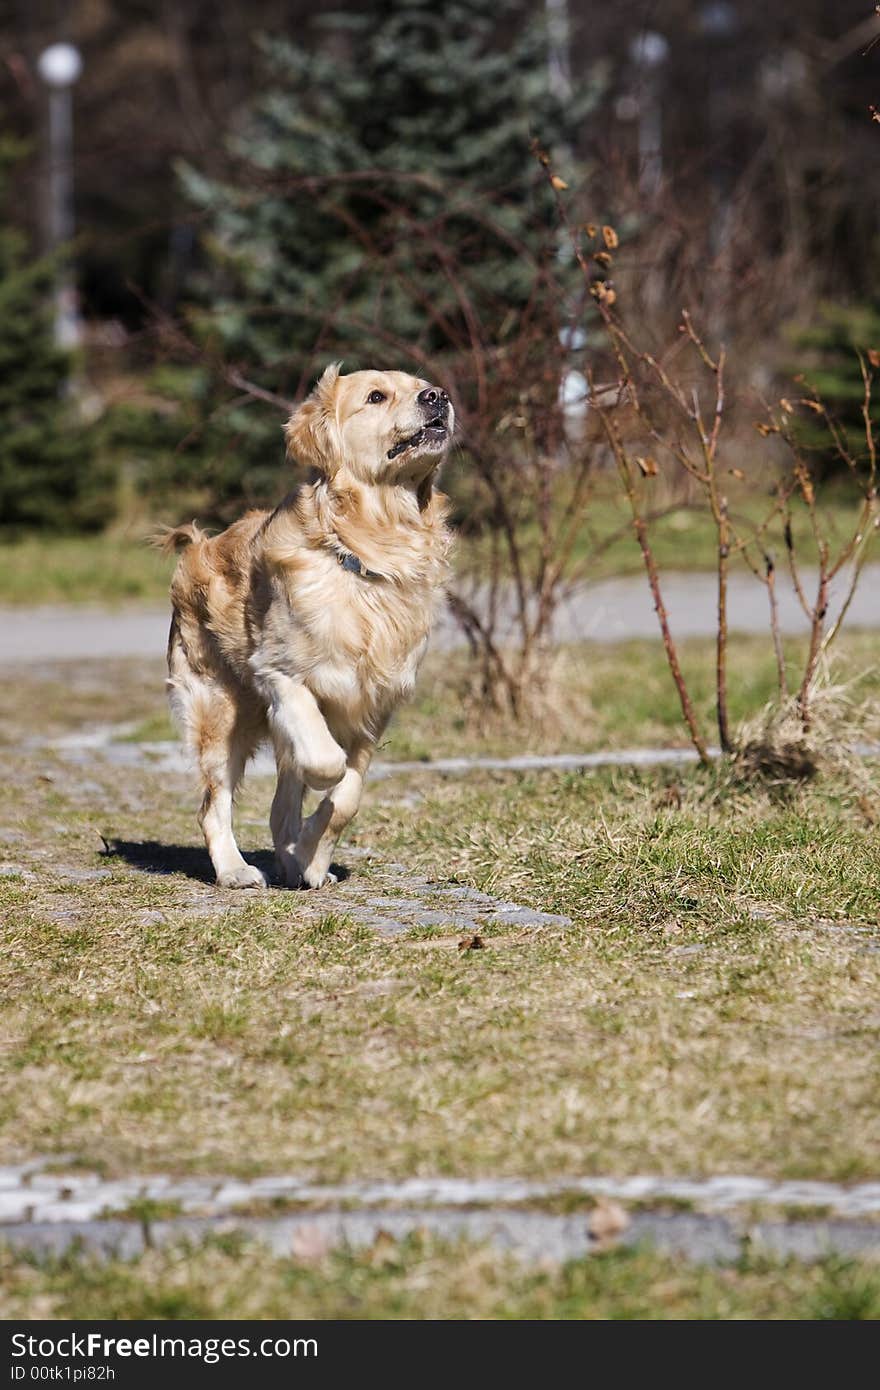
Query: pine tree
[
  {"x": 379, "y": 168},
  {"x": 47, "y": 478},
  {"x": 829, "y": 352}
]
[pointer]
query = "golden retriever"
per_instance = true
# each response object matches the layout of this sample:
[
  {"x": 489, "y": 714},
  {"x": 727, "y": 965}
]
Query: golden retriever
[{"x": 308, "y": 624}]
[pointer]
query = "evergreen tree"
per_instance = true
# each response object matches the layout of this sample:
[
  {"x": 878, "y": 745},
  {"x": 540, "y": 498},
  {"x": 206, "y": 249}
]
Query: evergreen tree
[
  {"x": 829, "y": 351},
  {"x": 47, "y": 478},
  {"x": 381, "y": 172}
]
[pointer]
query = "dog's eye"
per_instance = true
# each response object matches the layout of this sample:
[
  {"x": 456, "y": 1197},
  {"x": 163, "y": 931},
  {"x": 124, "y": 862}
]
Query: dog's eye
[{"x": 375, "y": 397}]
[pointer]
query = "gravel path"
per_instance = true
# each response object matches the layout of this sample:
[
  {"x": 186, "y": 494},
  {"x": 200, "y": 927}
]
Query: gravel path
[{"x": 612, "y": 610}]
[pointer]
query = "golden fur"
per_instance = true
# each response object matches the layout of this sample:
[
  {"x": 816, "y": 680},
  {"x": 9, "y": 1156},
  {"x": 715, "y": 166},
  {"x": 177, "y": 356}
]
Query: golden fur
[{"x": 272, "y": 636}]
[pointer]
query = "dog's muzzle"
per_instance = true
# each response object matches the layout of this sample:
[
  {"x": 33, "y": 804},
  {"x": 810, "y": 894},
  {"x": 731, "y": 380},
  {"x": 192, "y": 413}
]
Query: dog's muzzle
[{"x": 434, "y": 405}]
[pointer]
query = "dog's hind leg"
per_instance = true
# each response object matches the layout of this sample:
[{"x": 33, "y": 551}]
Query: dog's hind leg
[
  {"x": 285, "y": 817},
  {"x": 222, "y": 739},
  {"x": 319, "y": 834},
  {"x": 221, "y": 764}
]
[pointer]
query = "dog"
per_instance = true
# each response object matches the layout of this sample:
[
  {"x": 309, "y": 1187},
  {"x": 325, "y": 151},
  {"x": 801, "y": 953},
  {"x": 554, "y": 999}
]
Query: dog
[{"x": 307, "y": 624}]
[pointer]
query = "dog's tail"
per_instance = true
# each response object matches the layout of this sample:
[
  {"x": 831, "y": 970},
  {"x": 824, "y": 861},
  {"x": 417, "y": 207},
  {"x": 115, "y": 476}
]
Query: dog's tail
[{"x": 172, "y": 539}]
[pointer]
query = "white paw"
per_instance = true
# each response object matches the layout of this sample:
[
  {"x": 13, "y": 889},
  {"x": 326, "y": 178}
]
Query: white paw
[
  {"x": 248, "y": 876},
  {"x": 312, "y": 879}
]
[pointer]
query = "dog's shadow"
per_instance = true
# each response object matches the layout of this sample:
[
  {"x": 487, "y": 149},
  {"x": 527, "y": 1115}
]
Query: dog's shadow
[{"x": 153, "y": 857}]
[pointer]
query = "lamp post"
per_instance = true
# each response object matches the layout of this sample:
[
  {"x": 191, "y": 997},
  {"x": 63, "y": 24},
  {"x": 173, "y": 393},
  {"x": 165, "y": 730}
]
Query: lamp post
[
  {"x": 558, "y": 46},
  {"x": 719, "y": 23},
  {"x": 648, "y": 52},
  {"x": 59, "y": 66}
]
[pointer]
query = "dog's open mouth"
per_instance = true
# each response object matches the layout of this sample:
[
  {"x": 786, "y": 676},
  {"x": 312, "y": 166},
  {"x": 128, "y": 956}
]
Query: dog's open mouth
[{"x": 435, "y": 429}]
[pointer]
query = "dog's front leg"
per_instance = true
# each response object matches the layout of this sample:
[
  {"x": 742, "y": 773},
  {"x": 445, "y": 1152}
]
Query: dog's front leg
[
  {"x": 319, "y": 834},
  {"x": 286, "y": 817},
  {"x": 300, "y": 731}
]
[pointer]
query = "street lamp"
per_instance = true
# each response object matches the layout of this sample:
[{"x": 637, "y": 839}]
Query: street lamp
[
  {"x": 648, "y": 52},
  {"x": 59, "y": 66},
  {"x": 558, "y": 46},
  {"x": 719, "y": 23}
]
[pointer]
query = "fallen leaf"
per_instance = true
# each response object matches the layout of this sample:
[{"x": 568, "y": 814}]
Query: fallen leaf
[
  {"x": 383, "y": 1251},
  {"x": 607, "y": 1221},
  {"x": 559, "y": 184},
  {"x": 869, "y": 810},
  {"x": 610, "y": 237},
  {"x": 738, "y": 473},
  {"x": 471, "y": 943}
]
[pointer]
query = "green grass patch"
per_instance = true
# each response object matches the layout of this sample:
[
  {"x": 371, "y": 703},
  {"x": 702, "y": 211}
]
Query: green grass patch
[
  {"x": 110, "y": 569},
  {"x": 120, "y": 567},
  {"x": 422, "y": 1277},
  {"x": 602, "y": 695},
  {"x": 711, "y": 1009}
]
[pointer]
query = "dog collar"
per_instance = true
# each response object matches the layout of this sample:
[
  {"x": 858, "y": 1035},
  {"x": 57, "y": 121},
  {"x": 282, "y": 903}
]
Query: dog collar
[{"x": 350, "y": 562}]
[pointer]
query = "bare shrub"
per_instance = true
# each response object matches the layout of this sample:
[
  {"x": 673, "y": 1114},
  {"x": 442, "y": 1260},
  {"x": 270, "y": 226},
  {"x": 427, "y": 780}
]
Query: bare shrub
[{"x": 668, "y": 410}]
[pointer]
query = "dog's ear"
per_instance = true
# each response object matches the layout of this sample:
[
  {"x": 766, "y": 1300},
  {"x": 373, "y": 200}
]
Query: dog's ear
[{"x": 311, "y": 432}]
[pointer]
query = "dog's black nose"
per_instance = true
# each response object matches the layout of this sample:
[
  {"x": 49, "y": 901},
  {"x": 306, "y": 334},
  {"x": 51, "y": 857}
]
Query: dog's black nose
[{"x": 433, "y": 399}]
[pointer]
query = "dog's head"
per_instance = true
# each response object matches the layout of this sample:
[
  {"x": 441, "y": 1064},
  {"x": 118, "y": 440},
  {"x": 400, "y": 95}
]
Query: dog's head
[{"x": 382, "y": 427}]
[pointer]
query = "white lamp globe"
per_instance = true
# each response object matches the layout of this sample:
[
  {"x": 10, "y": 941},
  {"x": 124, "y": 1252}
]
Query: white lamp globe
[
  {"x": 649, "y": 49},
  {"x": 60, "y": 65}
]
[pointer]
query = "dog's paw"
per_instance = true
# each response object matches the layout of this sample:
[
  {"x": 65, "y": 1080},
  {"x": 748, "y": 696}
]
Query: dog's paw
[
  {"x": 248, "y": 876},
  {"x": 311, "y": 879}
]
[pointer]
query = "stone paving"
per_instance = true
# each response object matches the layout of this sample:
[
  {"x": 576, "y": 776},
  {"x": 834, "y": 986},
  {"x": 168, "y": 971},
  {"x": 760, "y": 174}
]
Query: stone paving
[
  {"x": 47, "y": 1211},
  {"x": 405, "y": 900},
  {"x": 37, "y": 1191},
  {"x": 170, "y": 756}
]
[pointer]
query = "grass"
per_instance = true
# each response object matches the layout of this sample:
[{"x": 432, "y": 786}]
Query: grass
[
  {"x": 602, "y": 696},
  {"x": 421, "y": 1277},
  {"x": 109, "y": 569},
  {"x": 711, "y": 1009},
  {"x": 119, "y": 567},
  {"x": 683, "y": 537}
]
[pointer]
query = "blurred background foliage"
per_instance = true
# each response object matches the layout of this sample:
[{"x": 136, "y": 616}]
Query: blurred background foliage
[
  {"x": 262, "y": 187},
  {"x": 51, "y": 473}
]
